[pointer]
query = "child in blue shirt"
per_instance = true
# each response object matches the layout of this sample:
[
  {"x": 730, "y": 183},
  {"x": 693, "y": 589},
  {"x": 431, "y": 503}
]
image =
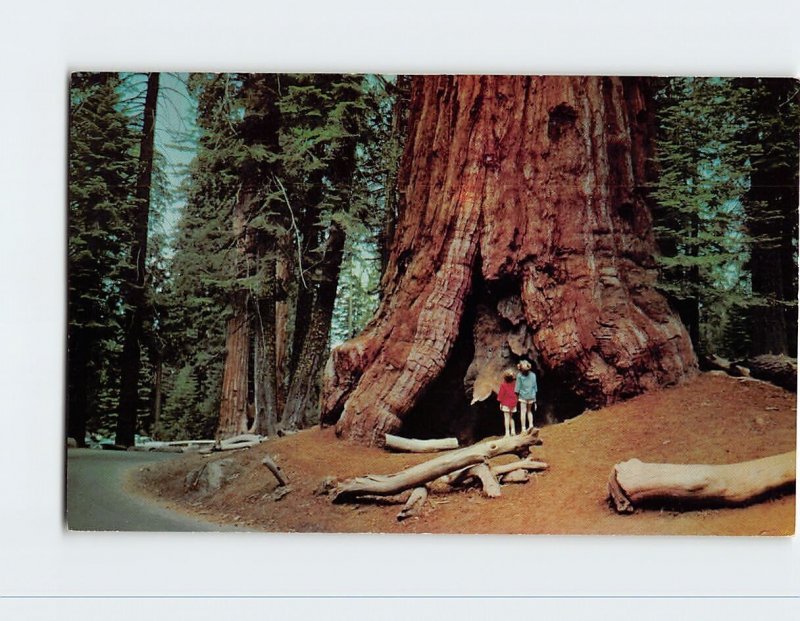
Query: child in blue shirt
[{"x": 526, "y": 389}]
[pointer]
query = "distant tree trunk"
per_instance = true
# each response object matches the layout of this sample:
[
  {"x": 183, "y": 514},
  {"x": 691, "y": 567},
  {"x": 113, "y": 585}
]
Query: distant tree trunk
[
  {"x": 304, "y": 389},
  {"x": 266, "y": 379},
  {"x": 156, "y": 431},
  {"x": 236, "y": 372},
  {"x": 281, "y": 331},
  {"x": 130, "y": 363},
  {"x": 396, "y": 140},
  {"x": 772, "y": 209},
  {"x": 233, "y": 404},
  {"x": 80, "y": 376},
  {"x": 310, "y": 230},
  {"x": 524, "y": 232}
]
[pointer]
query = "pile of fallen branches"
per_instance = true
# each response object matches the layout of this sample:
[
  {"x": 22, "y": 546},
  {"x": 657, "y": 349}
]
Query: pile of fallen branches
[{"x": 450, "y": 470}]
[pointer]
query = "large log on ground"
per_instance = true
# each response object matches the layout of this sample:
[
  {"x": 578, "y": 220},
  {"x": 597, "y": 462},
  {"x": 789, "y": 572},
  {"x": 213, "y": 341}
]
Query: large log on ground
[
  {"x": 779, "y": 370},
  {"x": 524, "y": 223},
  {"x": 408, "y": 445},
  {"x": 416, "y": 476},
  {"x": 633, "y": 482}
]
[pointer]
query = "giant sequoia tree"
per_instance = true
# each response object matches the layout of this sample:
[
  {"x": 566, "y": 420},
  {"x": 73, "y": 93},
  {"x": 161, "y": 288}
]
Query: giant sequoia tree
[{"x": 524, "y": 231}]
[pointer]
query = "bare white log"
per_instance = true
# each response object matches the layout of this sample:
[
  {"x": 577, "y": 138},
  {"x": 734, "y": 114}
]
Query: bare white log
[
  {"x": 385, "y": 485},
  {"x": 516, "y": 476},
  {"x": 522, "y": 464},
  {"x": 409, "y": 445},
  {"x": 414, "y": 503},
  {"x": 228, "y": 447},
  {"x": 491, "y": 487},
  {"x": 634, "y": 482},
  {"x": 246, "y": 438},
  {"x": 276, "y": 470}
]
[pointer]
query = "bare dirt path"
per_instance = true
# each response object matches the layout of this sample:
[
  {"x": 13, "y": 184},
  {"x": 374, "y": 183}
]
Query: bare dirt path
[{"x": 711, "y": 419}]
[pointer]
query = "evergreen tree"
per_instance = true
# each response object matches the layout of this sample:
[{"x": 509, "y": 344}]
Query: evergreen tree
[
  {"x": 699, "y": 217},
  {"x": 199, "y": 276},
  {"x": 773, "y": 109},
  {"x": 136, "y": 277},
  {"x": 102, "y": 176}
]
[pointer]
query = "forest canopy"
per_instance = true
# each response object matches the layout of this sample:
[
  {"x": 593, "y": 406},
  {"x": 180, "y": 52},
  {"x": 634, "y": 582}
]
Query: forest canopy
[{"x": 226, "y": 231}]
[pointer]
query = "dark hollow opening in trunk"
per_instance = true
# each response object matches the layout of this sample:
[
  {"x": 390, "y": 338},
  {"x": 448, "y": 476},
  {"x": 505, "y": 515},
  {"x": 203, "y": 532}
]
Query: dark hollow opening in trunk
[{"x": 444, "y": 409}]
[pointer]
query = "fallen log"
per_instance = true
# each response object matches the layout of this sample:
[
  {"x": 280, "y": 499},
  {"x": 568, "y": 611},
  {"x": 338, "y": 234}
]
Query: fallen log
[
  {"x": 228, "y": 447},
  {"x": 416, "y": 476},
  {"x": 409, "y": 445},
  {"x": 516, "y": 476},
  {"x": 522, "y": 464},
  {"x": 489, "y": 484},
  {"x": 245, "y": 438},
  {"x": 275, "y": 469},
  {"x": 414, "y": 503},
  {"x": 633, "y": 482},
  {"x": 778, "y": 370}
]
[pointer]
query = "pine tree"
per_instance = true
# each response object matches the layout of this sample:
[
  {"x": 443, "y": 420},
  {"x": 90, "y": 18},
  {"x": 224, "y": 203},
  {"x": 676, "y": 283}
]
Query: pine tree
[
  {"x": 102, "y": 176},
  {"x": 773, "y": 109},
  {"x": 703, "y": 173},
  {"x": 136, "y": 278}
]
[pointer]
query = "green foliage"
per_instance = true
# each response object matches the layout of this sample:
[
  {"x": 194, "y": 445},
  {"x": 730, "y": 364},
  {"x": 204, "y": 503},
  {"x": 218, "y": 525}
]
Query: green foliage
[
  {"x": 699, "y": 218},
  {"x": 712, "y": 136},
  {"x": 102, "y": 174}
]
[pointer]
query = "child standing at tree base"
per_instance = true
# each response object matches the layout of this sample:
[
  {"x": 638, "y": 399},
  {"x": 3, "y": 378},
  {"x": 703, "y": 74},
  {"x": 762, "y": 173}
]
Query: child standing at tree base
[
  {"x": 526, "y": 389},
  {"x": 508, "y": 401}
]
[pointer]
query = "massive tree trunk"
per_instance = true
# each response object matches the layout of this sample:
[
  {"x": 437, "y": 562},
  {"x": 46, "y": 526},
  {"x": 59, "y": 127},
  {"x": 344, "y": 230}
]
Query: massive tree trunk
[
  {"x": 524, "y": 232},
  {"x": 130, "y": 364}
]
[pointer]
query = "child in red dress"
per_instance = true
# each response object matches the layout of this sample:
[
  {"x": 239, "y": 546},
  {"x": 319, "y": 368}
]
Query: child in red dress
[{"x": 508, "y": 401}]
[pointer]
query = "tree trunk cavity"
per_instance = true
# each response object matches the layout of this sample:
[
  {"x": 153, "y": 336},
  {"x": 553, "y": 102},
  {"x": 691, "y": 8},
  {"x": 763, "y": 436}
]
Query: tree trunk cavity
[{"x": 523, "y": 232}]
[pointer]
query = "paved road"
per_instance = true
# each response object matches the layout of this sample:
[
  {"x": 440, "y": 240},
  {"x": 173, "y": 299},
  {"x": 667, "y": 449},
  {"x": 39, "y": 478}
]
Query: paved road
[{"x": 96, "y": 499}]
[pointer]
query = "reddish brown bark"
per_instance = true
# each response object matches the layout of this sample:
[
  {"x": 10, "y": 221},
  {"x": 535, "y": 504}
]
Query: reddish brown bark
[
  {"x": 233, "y": 403},
  {"x": 233, "y": 409},
  {"x": 523, "y": 203},
  {"x": 281, "y": 331}
]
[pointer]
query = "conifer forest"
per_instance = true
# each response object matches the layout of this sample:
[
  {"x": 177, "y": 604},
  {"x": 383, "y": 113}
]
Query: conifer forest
[{"x": 263, "y": 253}]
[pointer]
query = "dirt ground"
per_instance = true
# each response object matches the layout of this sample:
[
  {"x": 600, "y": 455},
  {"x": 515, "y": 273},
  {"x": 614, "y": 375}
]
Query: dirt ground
[{"x": 712, "y": 419}]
